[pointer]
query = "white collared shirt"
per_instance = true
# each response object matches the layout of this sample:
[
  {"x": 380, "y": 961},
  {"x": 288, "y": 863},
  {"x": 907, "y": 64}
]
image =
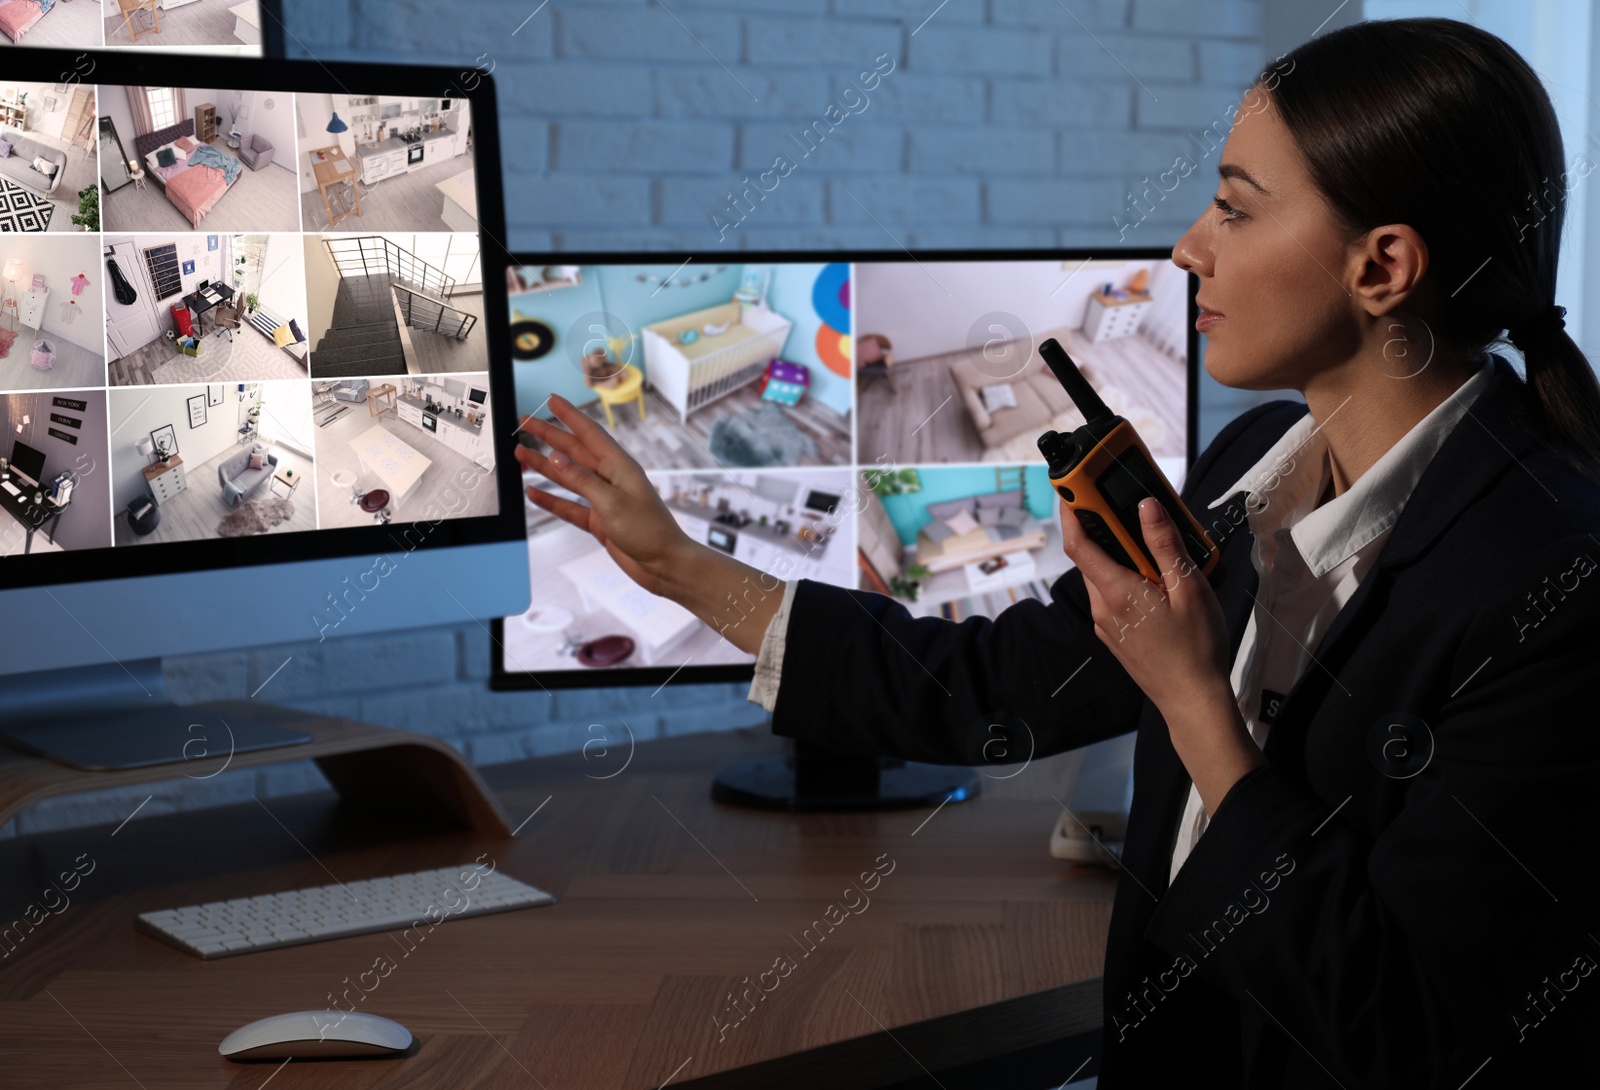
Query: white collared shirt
[
  {"x": 1310, "y": 559},
  {"x": 769, "y": 660}
]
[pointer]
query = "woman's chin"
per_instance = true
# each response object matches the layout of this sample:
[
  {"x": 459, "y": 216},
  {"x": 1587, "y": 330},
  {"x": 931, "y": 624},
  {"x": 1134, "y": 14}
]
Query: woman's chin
[
  {"x": 1229, "y": 372},
  {"x": 1216, "y": 365}
]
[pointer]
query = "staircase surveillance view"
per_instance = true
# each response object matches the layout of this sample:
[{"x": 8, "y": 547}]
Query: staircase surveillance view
[{"x": 394, "y": 304}]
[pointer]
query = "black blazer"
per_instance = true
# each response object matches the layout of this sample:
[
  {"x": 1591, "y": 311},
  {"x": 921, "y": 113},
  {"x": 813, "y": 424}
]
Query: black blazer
[{"x": 1406, "y": 892}]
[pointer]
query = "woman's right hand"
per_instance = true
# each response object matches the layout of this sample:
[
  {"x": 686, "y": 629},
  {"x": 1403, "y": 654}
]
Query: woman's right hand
[{"x": 625, "y": 514}]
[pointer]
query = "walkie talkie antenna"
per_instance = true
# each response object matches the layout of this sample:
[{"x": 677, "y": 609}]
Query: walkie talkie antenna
[{"x": 1083, "y": 395}]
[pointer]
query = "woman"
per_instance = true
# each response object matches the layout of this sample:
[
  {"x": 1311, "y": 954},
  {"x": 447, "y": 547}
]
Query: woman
[{"x": 1364, "y": 759}]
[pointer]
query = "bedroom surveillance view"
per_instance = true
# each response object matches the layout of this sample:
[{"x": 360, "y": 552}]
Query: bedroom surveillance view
[
  {"x": 52, "y": 24},
  {"x": 241, "y": 368},
  {"x": 225, "y": 27},
  {"x": 174, "y": 158}
]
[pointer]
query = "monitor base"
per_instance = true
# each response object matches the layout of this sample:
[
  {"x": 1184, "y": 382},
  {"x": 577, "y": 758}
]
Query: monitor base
[{"x": 813, "y": 779}]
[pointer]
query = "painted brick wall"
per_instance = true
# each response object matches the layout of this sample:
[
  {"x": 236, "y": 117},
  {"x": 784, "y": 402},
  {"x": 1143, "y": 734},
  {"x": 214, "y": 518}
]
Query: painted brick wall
[
  {"x": 626, "y": 124},
  {"x": 1002, "y": 122}
]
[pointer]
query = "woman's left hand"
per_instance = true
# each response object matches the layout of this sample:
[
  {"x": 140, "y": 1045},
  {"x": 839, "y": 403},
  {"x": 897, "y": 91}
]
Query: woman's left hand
[
  {"x": 1173, "y": 641},
  {"x": 1171, "y": 637}
]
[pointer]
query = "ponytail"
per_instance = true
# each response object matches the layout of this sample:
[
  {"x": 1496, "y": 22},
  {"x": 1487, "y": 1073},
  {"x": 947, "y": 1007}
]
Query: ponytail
[{"x": 1565, "y": 394}]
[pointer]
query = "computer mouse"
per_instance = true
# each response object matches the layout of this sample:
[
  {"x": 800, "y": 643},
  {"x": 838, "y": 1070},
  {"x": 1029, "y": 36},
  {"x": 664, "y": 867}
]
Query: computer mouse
[{"x": 316, "y": 1035}]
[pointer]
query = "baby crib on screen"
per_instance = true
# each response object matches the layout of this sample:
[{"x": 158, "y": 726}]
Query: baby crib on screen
[{"x": 713, "y": 364}]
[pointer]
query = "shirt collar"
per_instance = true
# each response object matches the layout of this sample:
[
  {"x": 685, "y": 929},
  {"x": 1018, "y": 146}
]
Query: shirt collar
[{"x": 1297, "y": 464}]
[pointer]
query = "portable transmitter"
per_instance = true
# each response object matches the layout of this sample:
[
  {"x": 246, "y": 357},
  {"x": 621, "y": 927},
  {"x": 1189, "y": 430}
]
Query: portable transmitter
[{"x": 1103, "y": 469}]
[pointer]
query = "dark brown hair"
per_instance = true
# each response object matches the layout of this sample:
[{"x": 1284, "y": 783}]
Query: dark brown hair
[{"x": 1444, "y": 127}]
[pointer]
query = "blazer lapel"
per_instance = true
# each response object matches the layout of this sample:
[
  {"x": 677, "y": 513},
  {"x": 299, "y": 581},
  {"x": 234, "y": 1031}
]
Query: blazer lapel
[{"x": 1491, "y": 436}]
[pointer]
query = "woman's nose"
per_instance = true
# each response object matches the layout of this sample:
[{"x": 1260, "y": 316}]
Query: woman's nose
[{"x": 1191, "y": 253}]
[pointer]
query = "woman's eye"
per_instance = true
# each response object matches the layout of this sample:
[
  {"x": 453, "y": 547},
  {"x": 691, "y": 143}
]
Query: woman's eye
[{"x": 1230, "y": 213}]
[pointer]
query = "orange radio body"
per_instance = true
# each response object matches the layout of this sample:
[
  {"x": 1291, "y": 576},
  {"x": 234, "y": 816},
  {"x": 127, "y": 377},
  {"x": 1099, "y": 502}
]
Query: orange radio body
[{"x": 1103, "y": 469}]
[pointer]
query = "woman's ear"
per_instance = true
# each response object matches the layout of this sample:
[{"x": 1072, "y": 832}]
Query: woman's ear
[{"x": 1390, "y": 264}]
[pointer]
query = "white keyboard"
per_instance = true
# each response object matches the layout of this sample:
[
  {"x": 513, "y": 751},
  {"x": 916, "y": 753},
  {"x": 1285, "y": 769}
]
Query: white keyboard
[
  {"x": 11, "y": 488},
  {"x": 220, "y": 929}
]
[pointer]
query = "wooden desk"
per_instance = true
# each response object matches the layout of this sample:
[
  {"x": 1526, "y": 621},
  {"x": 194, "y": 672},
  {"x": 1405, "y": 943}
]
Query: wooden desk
[
  {"x": 976, "y": 944},
  {"x": 329, "y": 176}
]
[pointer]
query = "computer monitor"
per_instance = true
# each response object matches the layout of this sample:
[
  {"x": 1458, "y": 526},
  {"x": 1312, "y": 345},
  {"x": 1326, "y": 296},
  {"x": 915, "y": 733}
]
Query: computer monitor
[
  {"x": 253, "y": 28},
  {"x": 868, "y": 419},
  {"x": 27, "y": 463},
  {"x": 332, "y": 456}
]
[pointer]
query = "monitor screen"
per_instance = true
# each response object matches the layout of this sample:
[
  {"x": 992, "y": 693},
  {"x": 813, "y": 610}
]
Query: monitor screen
[
  {"x": 27, "y": 462},
  {"x": 270, "y": 334},
  {"x": 870, "y": 421},
  {"x": 215, "y": 27}
]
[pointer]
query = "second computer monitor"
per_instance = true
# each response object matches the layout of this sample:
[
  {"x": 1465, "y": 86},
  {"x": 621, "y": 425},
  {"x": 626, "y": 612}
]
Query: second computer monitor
[{"x": 869, "y": 421}]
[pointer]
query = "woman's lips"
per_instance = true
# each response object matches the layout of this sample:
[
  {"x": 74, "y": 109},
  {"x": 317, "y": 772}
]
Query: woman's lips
[{"x": 1207, "y": 319}]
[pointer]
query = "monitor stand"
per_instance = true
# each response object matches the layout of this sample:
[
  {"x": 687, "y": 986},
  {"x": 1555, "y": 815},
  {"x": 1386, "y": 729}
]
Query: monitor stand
[
  {"x": 816, "y": 778},
  {"x": 70, "y": 731}
]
